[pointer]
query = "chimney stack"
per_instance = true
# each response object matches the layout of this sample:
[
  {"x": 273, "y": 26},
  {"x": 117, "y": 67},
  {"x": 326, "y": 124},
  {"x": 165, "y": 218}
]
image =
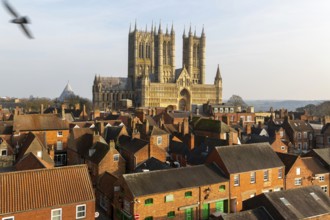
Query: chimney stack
[
  {"x": 41, "y": 108},
  {"x": 63, "y": 112}
]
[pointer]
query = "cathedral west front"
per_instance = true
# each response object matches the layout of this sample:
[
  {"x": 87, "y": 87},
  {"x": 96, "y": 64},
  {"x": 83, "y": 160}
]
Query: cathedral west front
[{"x": 153, "y": 79}]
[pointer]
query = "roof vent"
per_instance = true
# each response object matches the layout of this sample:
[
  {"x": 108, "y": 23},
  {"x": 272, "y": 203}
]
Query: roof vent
[
  {"x": 145, "y": 170},
  {"x": 285, "y": 202}
]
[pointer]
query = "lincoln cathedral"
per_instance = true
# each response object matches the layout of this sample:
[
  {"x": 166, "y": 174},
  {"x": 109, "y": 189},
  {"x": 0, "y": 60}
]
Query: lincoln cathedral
[{"x": 153, "y": 80}]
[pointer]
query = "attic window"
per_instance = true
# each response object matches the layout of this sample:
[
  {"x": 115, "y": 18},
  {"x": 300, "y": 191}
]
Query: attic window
[
  {"x": 4, "y": 152},
  {"x": 60, "y": 134},
  {"x": 285, "y": 202}
]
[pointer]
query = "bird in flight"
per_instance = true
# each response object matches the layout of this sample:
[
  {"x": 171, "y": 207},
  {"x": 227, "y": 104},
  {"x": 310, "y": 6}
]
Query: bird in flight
[{"x": 20, "y": 20}]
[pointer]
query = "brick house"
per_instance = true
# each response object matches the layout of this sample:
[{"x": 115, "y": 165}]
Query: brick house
[
  {"x": 41, "y": 194},
  {"x": 31, "y": 161},
  {"x": 105, "y": 192},
  {"x": 183, "y": 193},
  {"x": 300, "y": 134},
  {"x": 102, "y": 157},
  {"x": 54, "y": 128},
  {"x": 304, "y": 171},
  {"x": 276, "y": 142},
  {"x": 7, "y": 154},
  {"x": 79, "y": 138},
  {"x": 301, "y": 203},
  {"x": 325, "y": 135},
  {"x": 323, "y": 155},
  {"x": 251, "y": 168},
  {"x": 205, "y": 127}
]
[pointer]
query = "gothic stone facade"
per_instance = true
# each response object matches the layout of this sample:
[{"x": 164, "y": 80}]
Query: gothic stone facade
[{"x": 153, "y": 80}]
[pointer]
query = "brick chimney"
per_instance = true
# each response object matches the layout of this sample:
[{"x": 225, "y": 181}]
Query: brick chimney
[
  {"x": 185, "y": 126},
  {"x": 63, "y": 112},
  {"x": 41, "y": 108},
  {"x": 230, "y": 138},
  {"x": 136, "y": 134},
  {"x": 146, "y": 128},
  {"x": 191, "y": 141},
  {"x": 248, "y": 128},
  {"x": 77, "y": 106},
  {"x": 16, "y": 111}
]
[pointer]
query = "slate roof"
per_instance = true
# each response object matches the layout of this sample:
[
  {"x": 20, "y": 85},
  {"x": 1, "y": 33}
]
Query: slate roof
[
  {"x": 101, "y": 149},
  {"x": 134, "y": 145},
  {"x": 152, "y": 164},
  {"x": 42, "y": 188},
  {"x": 212, "y": 125},
  {"x": 66, "y": 93},
  {"x": 162, "y": 181},
  {"x": 105, "y": 182},
  {"x": 314, "y": 165},
  {"x": 247, "y": 157},
  {"x": 254, "y": 214},
  {"x": 288, "y": 160},
  {"x": 299, "y": 125},
  {"x": 157, "y": 131},
  {"x": 39, "y": 122},
  {"x": 111, "y": 133},
  {"x": 114, "y": 83},
  {"x": 324, "y": 154},
  {"x": 303, "y": 204}
]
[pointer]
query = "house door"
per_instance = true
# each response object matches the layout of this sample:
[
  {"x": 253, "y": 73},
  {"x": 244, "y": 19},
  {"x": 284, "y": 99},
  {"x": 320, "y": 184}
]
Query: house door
[
  {"x": 233, "y": 204},
  {"x": 189, "y": 214},
  {"x": 205, "y": 211}
]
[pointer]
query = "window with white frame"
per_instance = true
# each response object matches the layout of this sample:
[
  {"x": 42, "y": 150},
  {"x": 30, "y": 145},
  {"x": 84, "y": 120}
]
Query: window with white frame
[
  {"x": 321, "y": 178},
  {"x": 310, "y": 136},
  {"x": 9, "y": 218},
  {"x": 324, "y": 188},
  {"x": 3, "y": 152},
  {"x": 252, "y": 177},
  {"x": 281, "y": 134},
  {"x": 231, "y": 110},
  {"x": 80, "y": 211},
  {"x": 299, "y": 146},
  {"x": 249, "y": 118},
  {"x": 236, "y": 180},
  {"x": 221, "y": 110},
  {"x": 59, "y": 145},
  {"x": 56, "y": 214},
  {"x": 60, "y": 134},
  {"x": 226, "y": 110},
  {"x": 159, "y": 140},
  {"x": 116, "y": 157},
  {"x": 280, "y": 173},
  {"x": 297, "y": 181},
  {"x": 266, "y": 176},
  {"x": 298, "y": 171},
  {"x": 282, "y": 147},
  {"x": 215, "y": 110}
]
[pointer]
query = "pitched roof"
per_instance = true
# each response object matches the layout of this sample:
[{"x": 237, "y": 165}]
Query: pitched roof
[
  {"x": 152, "y": 164},
  {"x": 304, "y": 202},
  {"x": 211, "y": 125},
  {"x": 39, "y": 122},
  {"x": 288, "y": 160},
  {"x": 259, "y": 213},
  {"x": 157, "y": 131},
  {"x": 169, "y": 180},
  {"x": 100, "y": 150},
  {"x": 134, "y": 145},
  {"x": 105, "y": 182},
  {"x": 66, "y": 93},
  {"x": 324, "y": 154},
  {"x": 300, "y": 125},
  {"x": 36, "y": 189},
  {"x": 314, "y": 165},
  {"x": 31, "y": 161},
  {"x": 247, "y": 157}
]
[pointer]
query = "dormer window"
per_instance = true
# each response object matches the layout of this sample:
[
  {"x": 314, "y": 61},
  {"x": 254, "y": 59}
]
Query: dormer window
[
  {"x": 4, "y": 152},
  {"x": 116, "y": 157}
]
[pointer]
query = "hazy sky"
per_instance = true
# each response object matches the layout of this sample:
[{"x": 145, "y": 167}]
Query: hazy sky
[{"x": 265, "y": 49}]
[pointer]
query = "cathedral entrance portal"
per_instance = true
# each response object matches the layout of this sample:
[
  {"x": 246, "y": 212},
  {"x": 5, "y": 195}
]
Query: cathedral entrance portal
[{"x": 184, "y": 101}]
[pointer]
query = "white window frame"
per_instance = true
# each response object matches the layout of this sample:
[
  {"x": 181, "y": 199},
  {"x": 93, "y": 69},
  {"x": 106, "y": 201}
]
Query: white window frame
[
  {"x": 280, "y": 173},
  {"x": 52, "y": 214},
  {"x": 305, "y": 146},
  {"x": 321, "y": 178},
  {"x": 77, "y": 211},
  {"x": 252, "y": 177},
  {"x": 9, "y": 218},
  {"x": 236, "y": 180},
  {"x": 282, "y": 147},
  {"x": 159, "y": 140},
  {"x": 59, "y": 133},
  {"x": 4, "y": 150},
  {"x": 305, "y": 134},
  {"x": 221, "y": 110},
  {"x": 266, "y": 175},
  {"x": 299, "y": 146},
  {"x": 325, "y": 188},
  {"x": 297, "y": 181},
  {"x": 281, "y": 133},
  {"x": 59, "y": 143},
  {"x": 298, "y": 171},
  {"x": 249, "y": 118},
  {"x": 299, "y": 135}
]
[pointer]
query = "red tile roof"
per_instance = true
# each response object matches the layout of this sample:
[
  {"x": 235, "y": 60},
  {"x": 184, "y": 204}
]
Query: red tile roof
[
  {"x": 39, "y": 122},
  {"x": 42, "y": 188}
]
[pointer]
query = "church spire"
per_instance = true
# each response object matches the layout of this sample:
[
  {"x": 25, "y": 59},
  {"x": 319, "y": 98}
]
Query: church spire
[
  {"x": 184, "y": 31},
  {"x": 218, "y": 75},
  {"x": 152, "y": 26},
  {"x": 166, "y": 29},
  {"x": 160, "y": 27},
  {"x": 190, "y": 33},
  {"x": 172, "y": 29},
  {"x": 135, "y": 26},
  {"x": 203, "y": 33},
  {"x": 130, "y": 27}
]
